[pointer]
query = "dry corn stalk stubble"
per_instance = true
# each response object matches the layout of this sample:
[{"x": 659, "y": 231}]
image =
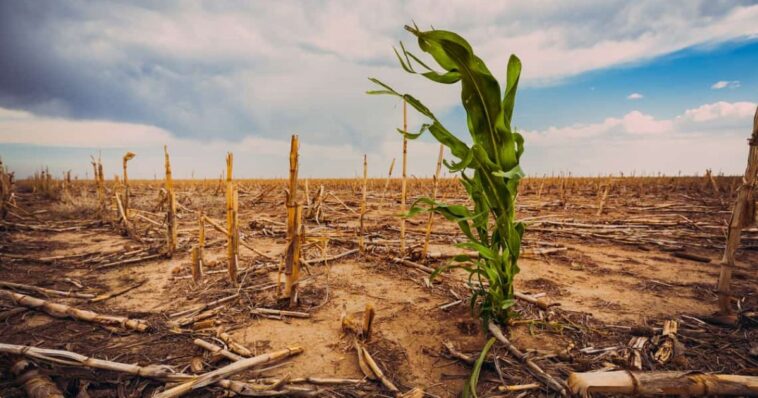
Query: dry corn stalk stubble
[
  {"x": 171, "y": 229},
  {"x": 743, "y": 215},
  {"x": 294, "y": 227},
  {"x": 361, "y": 228},
  {"x": 232, "y": 221},
  {"x": 404, "y": 186}
]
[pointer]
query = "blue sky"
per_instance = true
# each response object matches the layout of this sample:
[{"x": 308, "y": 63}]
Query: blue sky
[{"x": 607, "y": 87}]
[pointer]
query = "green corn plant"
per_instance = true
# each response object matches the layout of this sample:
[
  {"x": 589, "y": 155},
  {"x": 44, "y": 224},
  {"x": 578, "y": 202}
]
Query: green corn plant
[{"x": 489, "y": 168}]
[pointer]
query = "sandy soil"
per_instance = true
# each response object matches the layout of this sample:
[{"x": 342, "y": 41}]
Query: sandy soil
[{"x": 606, "y": 280}]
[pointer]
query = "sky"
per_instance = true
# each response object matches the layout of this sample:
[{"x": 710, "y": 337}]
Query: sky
[{"x": 640, "y": 87}]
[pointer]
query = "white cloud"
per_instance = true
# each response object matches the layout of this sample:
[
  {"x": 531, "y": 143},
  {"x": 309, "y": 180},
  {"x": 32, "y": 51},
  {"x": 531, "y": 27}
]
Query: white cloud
[
  {"x": 711, "y": 135},
  {"x": 725, "y": 84},
  {"x": 634, "y": 96},
  {"x": 720, "y": 111},
  {"x": 19, "y": 127}
]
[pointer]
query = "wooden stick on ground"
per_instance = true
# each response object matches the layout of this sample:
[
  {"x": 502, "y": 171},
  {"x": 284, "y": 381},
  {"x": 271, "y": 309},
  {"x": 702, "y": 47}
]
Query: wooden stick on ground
[
  {"x": 687, "y": 383},
  {"x": 536, "y": 371},
  {"x": 65, "y": 311},
  {"x": 743, "y": 215}
]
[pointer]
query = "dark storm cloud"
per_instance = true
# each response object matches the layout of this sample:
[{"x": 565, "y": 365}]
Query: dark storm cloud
[
  {"x": 134, "y": 83},
  {"x": 236, "y": 68}
]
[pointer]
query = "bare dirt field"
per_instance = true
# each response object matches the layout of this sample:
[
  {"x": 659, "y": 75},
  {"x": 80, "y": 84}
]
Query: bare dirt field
[{"x": 651, "y": 255}]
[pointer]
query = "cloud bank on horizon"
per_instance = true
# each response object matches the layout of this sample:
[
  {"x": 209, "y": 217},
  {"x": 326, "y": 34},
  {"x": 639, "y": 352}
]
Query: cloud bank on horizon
[{"x": 79, "y": 77}]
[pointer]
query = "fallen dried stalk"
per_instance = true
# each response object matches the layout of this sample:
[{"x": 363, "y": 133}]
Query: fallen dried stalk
[
  {"x": 539, "y": 303},
  {"x": 687, "y": 383},
  {"x": 65, "y": 311},
  {"x": 233, "y": 368},
  {"x": 73, "y": 359},
  {"x": 330, "y": 258},
  {"x": 217, "y": 350},
  {"x": 413, "y": 265},
  {"x": 42, "y": 290},
  {"x": 157, "y": 372},
  {"x": 520, "y": 387},
  {"x": 129, "y": 261},
  {"x": 313, "y": 380},
  {"x": 201, "y": 307},
  {"x": 549, "y": 381},
  {"x": 292, "y": 314},
  {"x": 106, "y": 296},
  {"x": 36, "y": 384},
  {"x": 233, "y": 345},
  {"x": 362, "y": 351},
  {"x": 12, "y": 312}
]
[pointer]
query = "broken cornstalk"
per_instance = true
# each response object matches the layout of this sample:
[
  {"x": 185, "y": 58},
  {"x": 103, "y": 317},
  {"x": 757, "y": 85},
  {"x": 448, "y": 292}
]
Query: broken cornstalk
[
  {"x": 361, "y": 228},
  {"x": 64, "y": 311},
  {"x": 36, "y": 384},
  {"x": 171, "y": 231},
  {"x": 232, "y": 220},
  {"x": 743, "y": 215},
  {"x": 687, "y": 383},
  {"x": 127, "y": 157},
  {"x": 294, "y": 227}
]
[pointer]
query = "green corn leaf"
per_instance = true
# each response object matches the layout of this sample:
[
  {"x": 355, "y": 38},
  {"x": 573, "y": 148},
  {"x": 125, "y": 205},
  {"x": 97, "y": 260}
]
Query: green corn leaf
[
  {"x": 509, "y": 98},
  {"x": 494, "y": 157},
  {"x": 483, "y": 250},
  {"x": 470, "y": 389}
]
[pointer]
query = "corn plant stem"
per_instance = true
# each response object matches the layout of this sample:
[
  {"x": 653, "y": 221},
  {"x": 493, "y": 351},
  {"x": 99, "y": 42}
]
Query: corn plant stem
[{"x": 404, "y": 187}]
